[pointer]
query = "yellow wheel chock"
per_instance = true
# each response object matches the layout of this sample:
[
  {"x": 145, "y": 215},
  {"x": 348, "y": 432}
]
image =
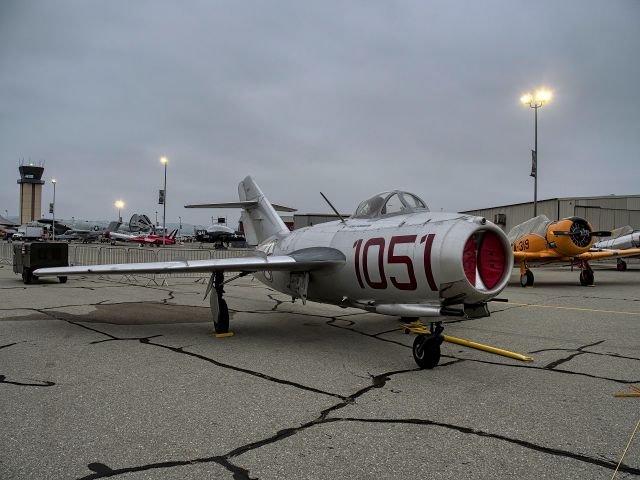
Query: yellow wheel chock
[{"x": 220, "y": 335}]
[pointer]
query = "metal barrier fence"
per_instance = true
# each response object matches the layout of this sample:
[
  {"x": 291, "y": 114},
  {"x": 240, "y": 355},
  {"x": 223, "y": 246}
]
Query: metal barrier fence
[
  {"x": 6, "y": 253},
  {"x": 99, "y": 254}
]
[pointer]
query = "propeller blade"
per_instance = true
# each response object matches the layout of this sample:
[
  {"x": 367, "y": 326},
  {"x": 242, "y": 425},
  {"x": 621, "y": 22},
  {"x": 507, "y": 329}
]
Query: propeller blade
[
  {"x": 558, "y": 233},
  {"x": 601, "y": 234}
]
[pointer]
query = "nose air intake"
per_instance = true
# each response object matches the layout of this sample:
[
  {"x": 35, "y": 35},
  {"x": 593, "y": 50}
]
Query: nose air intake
[{"x": 484, "y": 256}]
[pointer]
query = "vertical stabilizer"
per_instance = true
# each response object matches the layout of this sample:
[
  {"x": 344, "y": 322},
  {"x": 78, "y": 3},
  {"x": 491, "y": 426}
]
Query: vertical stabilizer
[{"x": 260, "y": 221}]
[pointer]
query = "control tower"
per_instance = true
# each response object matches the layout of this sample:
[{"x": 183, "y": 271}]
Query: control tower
[{"x": 30, "y": 182}]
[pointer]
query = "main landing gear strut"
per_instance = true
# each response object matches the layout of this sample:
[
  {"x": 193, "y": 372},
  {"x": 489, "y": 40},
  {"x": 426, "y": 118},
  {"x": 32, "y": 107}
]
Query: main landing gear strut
[
  {"x": 586, "y": 274},
  {"x": 426, "y": 348},
  {"x": 526, "y": 276},
  {"x": 219, "y": 308}
]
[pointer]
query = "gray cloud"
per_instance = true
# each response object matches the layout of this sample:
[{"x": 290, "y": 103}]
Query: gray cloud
[{"x": 345, "y": 97}]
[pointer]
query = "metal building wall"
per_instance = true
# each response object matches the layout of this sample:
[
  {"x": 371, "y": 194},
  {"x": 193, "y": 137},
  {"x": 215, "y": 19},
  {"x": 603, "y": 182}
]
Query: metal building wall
[
  {"x": 516, "y": 214},
  {"x": 604, "y": 213}
]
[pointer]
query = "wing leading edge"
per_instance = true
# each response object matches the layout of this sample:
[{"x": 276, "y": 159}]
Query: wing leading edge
[
  {"x": 590, "y": 255},
  {"x": 302, "y": 260}
]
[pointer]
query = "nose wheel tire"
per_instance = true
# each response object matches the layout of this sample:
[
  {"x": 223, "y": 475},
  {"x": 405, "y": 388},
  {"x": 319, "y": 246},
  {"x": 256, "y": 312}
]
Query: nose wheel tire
[
  {"x": 526, "y": 280},
  {"x": 426, "y": 351},
  {"x": 586, "y": 278},
  {"x": 621, "y": 266}
]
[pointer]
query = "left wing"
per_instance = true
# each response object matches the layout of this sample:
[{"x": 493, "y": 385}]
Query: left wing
[
  {"x": 595, "y": 255},
  {"x": 532, "y": 256},
  {"x": 301, "y": 260}
]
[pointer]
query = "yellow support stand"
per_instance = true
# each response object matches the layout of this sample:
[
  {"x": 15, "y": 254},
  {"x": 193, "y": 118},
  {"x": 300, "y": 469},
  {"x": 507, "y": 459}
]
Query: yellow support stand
[{"x": 419, "y": 328}]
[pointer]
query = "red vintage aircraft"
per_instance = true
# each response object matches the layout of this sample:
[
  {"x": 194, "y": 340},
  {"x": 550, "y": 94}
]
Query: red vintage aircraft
[{"x": 143, "y": 239}]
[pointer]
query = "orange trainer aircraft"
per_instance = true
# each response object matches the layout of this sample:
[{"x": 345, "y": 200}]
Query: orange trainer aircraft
[{"x": 540, "y": 240}]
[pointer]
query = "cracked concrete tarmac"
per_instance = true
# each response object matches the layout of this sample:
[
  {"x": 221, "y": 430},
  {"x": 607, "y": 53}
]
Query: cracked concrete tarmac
[{"x": 101, "y": 379}]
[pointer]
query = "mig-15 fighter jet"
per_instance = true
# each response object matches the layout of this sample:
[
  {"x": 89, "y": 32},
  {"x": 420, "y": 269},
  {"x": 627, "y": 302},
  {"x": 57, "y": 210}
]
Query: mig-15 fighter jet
[{"x": 392, "y": 257}]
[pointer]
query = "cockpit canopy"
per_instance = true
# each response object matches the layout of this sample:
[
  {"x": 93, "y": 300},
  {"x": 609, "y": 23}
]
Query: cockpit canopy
[{"x": 390, "y": 203}]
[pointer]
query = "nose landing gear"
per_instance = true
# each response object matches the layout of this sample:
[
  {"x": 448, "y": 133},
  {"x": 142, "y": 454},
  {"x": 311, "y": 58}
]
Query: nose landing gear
[{"x": 426, "y": 348}]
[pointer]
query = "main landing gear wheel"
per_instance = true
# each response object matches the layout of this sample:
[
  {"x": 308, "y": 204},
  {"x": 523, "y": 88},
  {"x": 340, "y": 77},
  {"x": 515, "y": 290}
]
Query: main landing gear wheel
[
  {"x": 426, "y": 348},
  {"x": 586, "y": 278},
  {"x": 621, "y": 266},
  {"x": 219, "y": 308},
  {"x": 526, "y": 280}
]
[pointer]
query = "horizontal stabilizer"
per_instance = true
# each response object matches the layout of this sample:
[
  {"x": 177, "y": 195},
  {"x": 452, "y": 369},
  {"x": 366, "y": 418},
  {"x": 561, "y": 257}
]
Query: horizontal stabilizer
[{"x": 246, "y": 204}]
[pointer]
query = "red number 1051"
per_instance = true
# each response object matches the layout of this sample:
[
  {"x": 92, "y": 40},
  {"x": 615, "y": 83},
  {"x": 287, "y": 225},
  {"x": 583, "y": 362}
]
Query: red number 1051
[{"x": 362, "y": 255}]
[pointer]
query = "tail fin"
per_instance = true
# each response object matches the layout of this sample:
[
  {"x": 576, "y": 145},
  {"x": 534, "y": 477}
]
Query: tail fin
[
  {"x": 259, "y": 219},
  {"x": 172, "y": 235}
]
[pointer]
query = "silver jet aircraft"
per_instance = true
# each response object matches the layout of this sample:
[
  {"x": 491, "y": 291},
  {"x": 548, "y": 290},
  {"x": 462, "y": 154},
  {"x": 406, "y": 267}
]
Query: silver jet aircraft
[
  {"x": 392, "y": 257},
  {"x": 623, "y": 238}
]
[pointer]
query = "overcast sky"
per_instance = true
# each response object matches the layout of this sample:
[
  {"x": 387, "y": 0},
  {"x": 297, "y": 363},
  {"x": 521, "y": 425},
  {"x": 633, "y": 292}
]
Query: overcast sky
[{"x": 348, "y": 98}]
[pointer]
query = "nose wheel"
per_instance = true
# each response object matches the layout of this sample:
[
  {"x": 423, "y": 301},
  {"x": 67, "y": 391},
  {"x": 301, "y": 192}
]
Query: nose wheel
[{"x": 426, "y": 348}]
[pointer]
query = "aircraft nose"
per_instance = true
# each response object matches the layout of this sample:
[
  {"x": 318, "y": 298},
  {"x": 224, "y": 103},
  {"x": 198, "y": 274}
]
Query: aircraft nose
[
  {"x": 484, "y": 259},
  {"x": 477, "y": 263}
]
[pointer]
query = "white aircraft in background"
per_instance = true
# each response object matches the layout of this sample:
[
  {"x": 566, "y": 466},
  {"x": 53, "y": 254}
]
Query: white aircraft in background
[
  {"x": 392, "y": 257},
  {"x": 623, "y": 238}
]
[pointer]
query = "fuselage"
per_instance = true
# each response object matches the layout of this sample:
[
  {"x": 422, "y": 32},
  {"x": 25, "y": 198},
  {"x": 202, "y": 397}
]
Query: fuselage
[
  {"x": 413, "y": 258},
  {"x": 631, "y": 240}
]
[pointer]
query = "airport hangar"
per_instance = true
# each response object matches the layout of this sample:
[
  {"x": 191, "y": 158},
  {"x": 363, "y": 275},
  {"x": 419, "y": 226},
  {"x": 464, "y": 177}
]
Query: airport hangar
[{"x": 604, "y": 213}]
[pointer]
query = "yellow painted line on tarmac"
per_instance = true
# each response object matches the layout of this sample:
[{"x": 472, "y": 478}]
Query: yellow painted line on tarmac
[{"x": 573, "y": 308}]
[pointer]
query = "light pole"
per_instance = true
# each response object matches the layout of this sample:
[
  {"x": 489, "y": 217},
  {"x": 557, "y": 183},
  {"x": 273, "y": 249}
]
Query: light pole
[
  {"x": 180, "y": 218},
  {"x": 535, "y": 101},
  {"x": 119, "y": 205},
  {"x": 53, "y": 223},
  {"x": 164, "y": 161}
]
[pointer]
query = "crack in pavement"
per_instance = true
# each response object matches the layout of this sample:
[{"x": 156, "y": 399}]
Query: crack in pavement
[
  {"x": 278, "y": 302},
  {"x": 171, "y": 297},
  {"x": 511, "y": 365},
  {"x": 146, "y": 341},
  {"x": 577, "y": 351},
  {"x": 610, "y": 465},
  {"x": 3, "y": 378},
  {"x": 609, "y": 354},
  {"x": 44, "y": 383},
  {"x": 377, "y": 381}
]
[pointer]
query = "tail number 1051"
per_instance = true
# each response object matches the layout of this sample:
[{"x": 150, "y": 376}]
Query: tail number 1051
[{"x": 362, "y": 264}]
